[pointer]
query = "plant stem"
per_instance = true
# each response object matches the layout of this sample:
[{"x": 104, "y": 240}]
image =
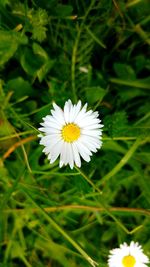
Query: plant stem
[
  {"x": 121, "y": 210},
  {"x": 121, "y": 163},
  {"x": 75, "y": 50},
  {"x": 88, "y": 180}
]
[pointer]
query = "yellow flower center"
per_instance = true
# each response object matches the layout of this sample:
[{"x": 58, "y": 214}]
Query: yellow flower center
[
  {"x": 70, "y": 132},
  {"x": 128, "y": 261}
]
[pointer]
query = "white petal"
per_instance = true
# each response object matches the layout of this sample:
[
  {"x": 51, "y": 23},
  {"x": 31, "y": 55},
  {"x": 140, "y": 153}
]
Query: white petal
[
  {"x": 49, "y": 140},
  {"x": 76, "y": 155},
  {"x": 51, "y": 119},
  {"x": 49, "y": 130},
  {"x": 92, "y": 127},
  {"x": 57, "y": 108},
  {"x": 75, "y": 111},
  {"x": 87, "y": 122},
  {"x": 61, "y": 163},
  {"x": 92, "y": 140},
  {"x": 82, "y": 152},
  {"x": 52, "y": 124},
  {"x": 88, "y": 144},
  {"x": 81, "y": 114},
  {"x": 67, "y": 108},
  {"x": 55, "y": 152},
  {"x": 70, "y": 155},
  {"x": 95, "y": 133},
  {"x": 58, "y": 113},
  {"x": 63, "y": 155}
]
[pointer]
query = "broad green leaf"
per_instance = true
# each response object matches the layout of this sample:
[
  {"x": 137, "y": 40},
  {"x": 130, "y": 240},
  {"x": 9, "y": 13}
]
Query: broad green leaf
[
  {"x": 47, "y": 62},
  {"x": 94, "y": 94},
  {"x": 9, "y": 42},
  {"x": 124, "y": 71},
  {"x": 30, "y": 62},
  {"x": 38, "y": 50},
  {"x": 36, "y": 62},
  {"x": 20, "y": 87},
  {"x": 129, "y": 94}
]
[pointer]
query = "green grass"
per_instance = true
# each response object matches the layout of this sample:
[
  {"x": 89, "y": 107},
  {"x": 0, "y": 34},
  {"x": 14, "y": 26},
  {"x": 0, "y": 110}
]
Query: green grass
[{"x": 96, "y": 51}]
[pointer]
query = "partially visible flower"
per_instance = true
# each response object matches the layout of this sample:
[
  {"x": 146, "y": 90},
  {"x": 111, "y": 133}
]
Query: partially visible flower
[
  {"x": 71, "y": 133},
  {"x": 128, "y": 256}
]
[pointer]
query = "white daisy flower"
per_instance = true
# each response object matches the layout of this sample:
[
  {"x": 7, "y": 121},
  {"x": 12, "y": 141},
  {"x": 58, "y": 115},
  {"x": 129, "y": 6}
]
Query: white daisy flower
[
  {"x": 71, "y": 133},
  {"x": 128, "y": 256}
]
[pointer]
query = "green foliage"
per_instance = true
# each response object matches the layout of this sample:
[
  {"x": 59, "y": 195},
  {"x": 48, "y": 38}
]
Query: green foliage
[
  {"x": 9, "y": 43},
  {"x": 37, "y": 20},
  {"x": 96, "y": 51},
  {"x": 36, "y": 62},
  {"x": 124, "y": 71},
  {"x": 116, "y": 124},
  {"x": 15, "y": 86},
  {"x": 95, "y": 94}
]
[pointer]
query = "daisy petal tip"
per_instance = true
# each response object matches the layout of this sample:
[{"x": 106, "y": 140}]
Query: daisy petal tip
[
  {"x": 78, "y": 165},
  {"x": 61, "y": 164},
  {"x": 71, "y": 166},
  {"x": 40, "y": 135}
]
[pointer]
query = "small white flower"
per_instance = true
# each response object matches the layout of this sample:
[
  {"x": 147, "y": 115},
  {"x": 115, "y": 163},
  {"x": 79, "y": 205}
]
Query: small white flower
[
  {"x": 128, "y": 256},
  {"x": 71, "y": 133}
]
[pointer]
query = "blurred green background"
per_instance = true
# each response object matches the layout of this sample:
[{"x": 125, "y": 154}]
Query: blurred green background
[{"x": 96, "y": 51}]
